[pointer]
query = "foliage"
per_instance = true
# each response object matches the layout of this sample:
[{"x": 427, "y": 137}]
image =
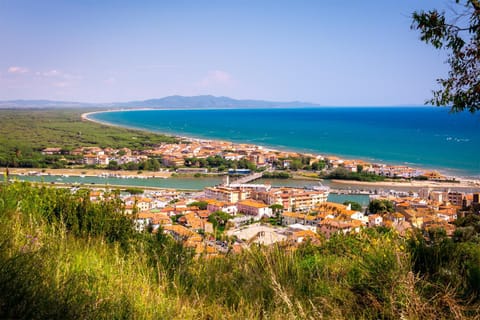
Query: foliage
[
  {"x": 461, "y": 37},
  {"x": 24, "y": 133},
  {"x": 343, "y": 174},
  {"x": 202, "y": 205},
  {"x": 276, "y": 175},
  {"x": 220, "y": 163},
  {"x": 56, "y": 264},
  {"x": 219, "y": 219},
  {"x": 134, "y": 191},
  {"x": 355, "y": 205},
  {"x": 319, "y": 165},
  {"x": 380, "y": 206}
]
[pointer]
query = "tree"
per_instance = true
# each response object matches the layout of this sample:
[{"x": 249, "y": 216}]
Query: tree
[
  {"x": 202, "y": 205},
  {"x": 354, "y": 205},
  {"x": 113, "y": 165},
  {"x": 380, "y": 206},
  {"x": 277, "y": 210},
  {"x": 219, "y": 219},
  {"x": 461, "y": 37}
]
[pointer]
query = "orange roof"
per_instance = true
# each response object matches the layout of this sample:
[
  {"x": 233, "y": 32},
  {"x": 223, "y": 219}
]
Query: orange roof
[{"x": 253, "y": 203}]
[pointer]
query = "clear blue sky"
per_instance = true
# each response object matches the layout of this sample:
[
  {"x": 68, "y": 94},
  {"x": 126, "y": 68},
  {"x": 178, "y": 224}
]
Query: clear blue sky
[{"x": 328, "y": 52}]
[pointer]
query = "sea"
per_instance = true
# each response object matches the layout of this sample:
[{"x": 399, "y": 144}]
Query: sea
[{"x": 423, "y": 137}]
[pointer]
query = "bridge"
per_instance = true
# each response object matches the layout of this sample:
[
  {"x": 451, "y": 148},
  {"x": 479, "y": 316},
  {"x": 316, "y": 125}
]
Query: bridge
[{"x": 247, "y": 179}]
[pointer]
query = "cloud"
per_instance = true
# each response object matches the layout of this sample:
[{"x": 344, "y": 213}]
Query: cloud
[
  {"x": 61, "y": 84},
  {"x": 157, "y": 66},
  {"x": 51, "y": 73},
  {"x": 110, "y": 81},
  {"x": 216, "y": 78},
  {"x": 17, "y": 70},
  {"x": 54, "y": 73}
]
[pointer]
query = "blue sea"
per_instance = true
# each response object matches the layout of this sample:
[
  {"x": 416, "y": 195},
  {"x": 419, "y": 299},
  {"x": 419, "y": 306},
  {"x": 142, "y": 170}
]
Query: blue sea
[{"x": 425, "y": 137}]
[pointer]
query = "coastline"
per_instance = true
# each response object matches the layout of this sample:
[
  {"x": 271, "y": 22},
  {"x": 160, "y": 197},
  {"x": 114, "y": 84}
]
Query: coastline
[{"x": 464, "y": 181}]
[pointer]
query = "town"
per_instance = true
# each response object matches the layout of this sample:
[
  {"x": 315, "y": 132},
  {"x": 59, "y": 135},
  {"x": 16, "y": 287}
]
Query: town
[
  {"x": 210, "y": 156},
  {"x": 236, "y": 214},
  {"x": 231, "y": 216}
]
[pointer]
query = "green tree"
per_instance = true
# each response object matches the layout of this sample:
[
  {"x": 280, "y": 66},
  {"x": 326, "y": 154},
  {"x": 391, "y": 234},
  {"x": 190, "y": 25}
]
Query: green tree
[
  {"x": 354, "y": 205},
  {"x": 380, "y": 206},
  {"x": 134, "y": 191},
  {"x": 219, "y": 219},
  {"x": 202, "y": 205},
  {"x": 113, "y": 165},
  {"x": 459, "y": 33}
]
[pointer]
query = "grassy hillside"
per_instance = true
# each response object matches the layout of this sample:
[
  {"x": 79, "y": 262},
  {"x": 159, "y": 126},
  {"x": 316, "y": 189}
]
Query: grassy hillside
[
  {"x": 24, "y": 133},
  {"x": 64, "y": 257}
]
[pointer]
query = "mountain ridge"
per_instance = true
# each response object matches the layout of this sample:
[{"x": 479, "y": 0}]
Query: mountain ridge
[{"x": 174, "y": 101}]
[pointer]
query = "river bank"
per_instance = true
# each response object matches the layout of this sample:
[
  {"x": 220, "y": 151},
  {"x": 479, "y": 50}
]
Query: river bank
[
  {"x": 87, "y": 173},
  {"x": 415, "y": 184}
]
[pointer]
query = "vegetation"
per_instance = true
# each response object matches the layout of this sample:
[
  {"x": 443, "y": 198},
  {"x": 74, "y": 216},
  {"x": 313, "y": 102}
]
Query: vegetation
[
  {"x": 276, "y": 175},
  {"x": 202, "y": 205},
  {"x": 343, "y": 174},
  {"x": 354, "y": 205},
  {"x": 381, "y": 206},
  {"x": 460, "y": 35},
  {"x": 134, "y": 191},
  {"x": 64, "y": 257},
  {"x": 219, "y": 220},
  {"x": 220, "y": 163},
  {"x": 24, "y": 133}
]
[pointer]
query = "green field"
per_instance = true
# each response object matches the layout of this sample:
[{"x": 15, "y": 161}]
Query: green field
[{"x": 24, "y": 133}]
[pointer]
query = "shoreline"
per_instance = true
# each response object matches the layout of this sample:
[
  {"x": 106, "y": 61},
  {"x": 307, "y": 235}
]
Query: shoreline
[
  {"x": 87, "y": 172},
  {"x": 85, "y": 116}
]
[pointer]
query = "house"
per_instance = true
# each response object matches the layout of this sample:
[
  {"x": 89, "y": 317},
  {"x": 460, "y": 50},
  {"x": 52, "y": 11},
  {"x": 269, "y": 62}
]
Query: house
[
  {"x": 290, "y": 218},
  {"x": 447, "y": 213},
  {"x": 254, "y": 208},
  {"x": 51, "y": 151},
  {"x": 395, "y": 218},
  {"x": 173, "y": 161},
  {"x": 214, "y": 205},
  {"x": 375, "y": 220},
  {"x": 300, "y": 236},
  {"x": 328, "y": 227}
]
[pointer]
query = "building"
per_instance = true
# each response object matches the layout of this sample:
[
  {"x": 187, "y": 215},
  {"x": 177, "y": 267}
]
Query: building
[
  {"x": 226, "y": 194},
  {"x": 51, "y": 151},
  {"x": 375, "y": 220},
  {"x": 215, "y": 205},
  {"x": 455, "y": 198},
  {"x": 292, "y": 199},
  {"x": 254, "y": 208},
  {"x": 291, "y": 218},
  {"x": 328, "y": 227}
]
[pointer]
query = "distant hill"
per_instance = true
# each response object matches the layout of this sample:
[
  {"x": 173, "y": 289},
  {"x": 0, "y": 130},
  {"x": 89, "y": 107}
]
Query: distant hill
[
  {"x": 26, "y": 104},
  {"x": 208, "y": 101},
  {"x": 204, "y": 101}
]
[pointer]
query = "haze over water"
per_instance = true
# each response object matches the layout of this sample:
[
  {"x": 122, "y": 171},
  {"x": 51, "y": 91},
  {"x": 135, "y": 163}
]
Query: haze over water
[{"x": 417, "y": 136}]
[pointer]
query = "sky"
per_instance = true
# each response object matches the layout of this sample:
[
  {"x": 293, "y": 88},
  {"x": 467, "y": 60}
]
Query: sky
[{"x": 336, "y": 53}]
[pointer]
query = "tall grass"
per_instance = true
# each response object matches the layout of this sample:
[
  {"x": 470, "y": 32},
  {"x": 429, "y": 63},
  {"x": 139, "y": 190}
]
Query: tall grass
[{"x": 55, "y": 264}]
